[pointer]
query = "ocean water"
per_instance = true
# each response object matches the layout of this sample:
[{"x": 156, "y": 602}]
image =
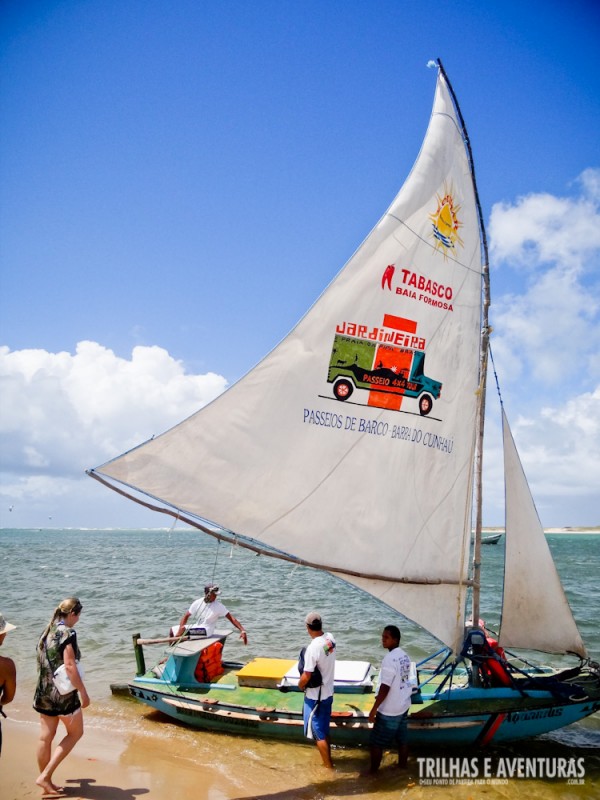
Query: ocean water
[{"x": 141, "y": 581}]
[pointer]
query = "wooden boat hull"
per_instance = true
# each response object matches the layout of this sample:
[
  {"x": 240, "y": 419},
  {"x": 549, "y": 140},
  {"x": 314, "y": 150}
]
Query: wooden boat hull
[{"x": 458, "y": 717}]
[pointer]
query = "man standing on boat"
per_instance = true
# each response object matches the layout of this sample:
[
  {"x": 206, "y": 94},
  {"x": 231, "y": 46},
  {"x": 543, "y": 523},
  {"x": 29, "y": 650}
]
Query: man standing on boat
[
  {"x": 319, "y": 657},
  {"x": 206, "y": 612},
  {"x": 390, "y": 709}
]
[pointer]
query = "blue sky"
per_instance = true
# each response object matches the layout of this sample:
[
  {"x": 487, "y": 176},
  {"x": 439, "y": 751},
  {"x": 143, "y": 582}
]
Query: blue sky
[{"x": 180, "y": 181}]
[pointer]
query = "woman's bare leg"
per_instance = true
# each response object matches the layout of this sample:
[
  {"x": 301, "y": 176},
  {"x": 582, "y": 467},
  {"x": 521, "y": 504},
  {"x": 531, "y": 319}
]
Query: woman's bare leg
[
  {"x": 74, "y": 725},
  {"x": 47, "y": 734}
]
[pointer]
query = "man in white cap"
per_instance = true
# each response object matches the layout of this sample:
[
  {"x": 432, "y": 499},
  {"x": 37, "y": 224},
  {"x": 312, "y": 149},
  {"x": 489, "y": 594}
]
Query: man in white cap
[
  {"x": 319, "y": 657},
  {"x": 206, "y": 612},
  {"x": 8, "y": 673}
]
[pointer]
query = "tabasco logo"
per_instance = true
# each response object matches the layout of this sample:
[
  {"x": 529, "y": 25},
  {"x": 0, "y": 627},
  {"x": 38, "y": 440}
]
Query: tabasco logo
[
  {"x": 408, "y": 280},
  {"x": 445, "y": 223}
]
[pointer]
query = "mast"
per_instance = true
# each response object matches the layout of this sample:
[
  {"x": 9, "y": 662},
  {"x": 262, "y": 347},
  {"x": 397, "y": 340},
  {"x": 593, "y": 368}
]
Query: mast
[{"x": 483, "y": 363}]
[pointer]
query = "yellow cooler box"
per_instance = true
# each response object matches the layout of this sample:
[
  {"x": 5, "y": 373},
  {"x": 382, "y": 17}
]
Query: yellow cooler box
[{"x": 265, "y": 673}]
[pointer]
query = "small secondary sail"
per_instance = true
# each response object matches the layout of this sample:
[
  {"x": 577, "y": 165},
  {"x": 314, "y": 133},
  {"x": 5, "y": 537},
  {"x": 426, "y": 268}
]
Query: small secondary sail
[
  {"x": 350, "y": 445},
  {"x": 536, "y": 613}
]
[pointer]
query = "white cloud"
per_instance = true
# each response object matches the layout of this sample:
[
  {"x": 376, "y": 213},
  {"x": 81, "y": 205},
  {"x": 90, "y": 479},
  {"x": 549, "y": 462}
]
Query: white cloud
[
  {"x": 542, "y": 229},
  {"x": 546, "y": 327},
  {"x": 560, "y": 452},
  {"x": 563, "y": 445},
  {"x": 63, "y": 413},
  {"x": 545, "y": 254},
  {"x": 590, "y": 180}
]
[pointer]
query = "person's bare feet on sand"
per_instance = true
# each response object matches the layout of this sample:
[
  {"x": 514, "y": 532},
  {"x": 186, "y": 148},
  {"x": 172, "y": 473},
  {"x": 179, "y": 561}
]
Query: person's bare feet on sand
[{"x": 49, "y": 789}]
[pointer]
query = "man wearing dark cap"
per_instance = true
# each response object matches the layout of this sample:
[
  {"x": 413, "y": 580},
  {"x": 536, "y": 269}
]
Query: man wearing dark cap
[
  {"x": 206, "y": 612},
  {"x": 318, "y": 700}
]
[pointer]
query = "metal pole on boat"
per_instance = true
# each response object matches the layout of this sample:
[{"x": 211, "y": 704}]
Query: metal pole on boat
[
  {"x": 139, "y": 655},
  {"x": 479, "y": 488},
  {"x": 483, "y": 364},
  {"x": 485, "y": 346}
]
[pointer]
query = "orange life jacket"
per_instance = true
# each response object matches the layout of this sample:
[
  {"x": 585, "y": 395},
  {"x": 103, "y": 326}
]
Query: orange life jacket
[
  {"x": 209, "y": 664},
  {"x": 493, "y": 669}
]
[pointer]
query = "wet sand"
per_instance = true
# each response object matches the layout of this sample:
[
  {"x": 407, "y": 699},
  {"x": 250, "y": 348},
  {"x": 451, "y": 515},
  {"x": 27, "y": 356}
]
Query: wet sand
[
  {"x": 105, "y": 766},
  {"x": 113, "y": 764},
  {"x": 128, "y": 751},
  {"x": 126, "y": 754}
]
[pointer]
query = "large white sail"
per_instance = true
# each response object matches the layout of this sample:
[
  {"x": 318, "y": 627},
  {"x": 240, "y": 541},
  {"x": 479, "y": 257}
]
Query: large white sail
[
  {"x": 351, "y": 444},
  {"x": 536, "y": 614}
]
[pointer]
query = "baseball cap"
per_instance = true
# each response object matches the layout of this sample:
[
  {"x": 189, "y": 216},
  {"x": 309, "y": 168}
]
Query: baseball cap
[{"x": 312, "y": 617}]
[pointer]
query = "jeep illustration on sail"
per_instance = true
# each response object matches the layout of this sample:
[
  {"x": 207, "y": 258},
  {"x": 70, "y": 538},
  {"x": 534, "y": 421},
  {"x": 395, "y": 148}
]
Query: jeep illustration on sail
[{"x": 389, "y": 371}]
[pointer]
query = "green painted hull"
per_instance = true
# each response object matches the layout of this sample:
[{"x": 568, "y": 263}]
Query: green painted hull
[{"x": 460, "y": 716}]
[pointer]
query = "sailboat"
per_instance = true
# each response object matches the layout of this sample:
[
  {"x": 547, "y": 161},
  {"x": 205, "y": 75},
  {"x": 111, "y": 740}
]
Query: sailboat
[
  {"x": 366, "y": 422},
  {"x": 491, "y": 538}
]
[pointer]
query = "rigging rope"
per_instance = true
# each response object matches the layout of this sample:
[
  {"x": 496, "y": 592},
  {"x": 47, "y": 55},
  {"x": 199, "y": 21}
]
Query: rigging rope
[
  {"x": 212, "y": 577},
  {"x": 291, "y": 574},
  {"x": 496, "y": 376},
  {"x": 172, "y": 528}
]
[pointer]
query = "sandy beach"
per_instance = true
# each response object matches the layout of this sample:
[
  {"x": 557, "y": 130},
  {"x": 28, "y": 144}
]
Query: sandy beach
[
  {"x": 160, "y": 760},
  {"x": 583, "y": 531},
  {"x": 109, "y": 764},
  {"x": 163, "y": 762},
  {"x": 93, "y": 770},
  {"x": 580, "y": 531}
]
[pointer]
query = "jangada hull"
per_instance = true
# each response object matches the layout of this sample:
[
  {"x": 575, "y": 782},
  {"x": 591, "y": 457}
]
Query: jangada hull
[
  {"x": 461, "y": 715},
  {"x": 458, "y": 717}
]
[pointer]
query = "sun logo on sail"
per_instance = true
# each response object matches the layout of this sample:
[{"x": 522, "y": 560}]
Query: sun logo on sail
[{"x": 445, "y": 223}]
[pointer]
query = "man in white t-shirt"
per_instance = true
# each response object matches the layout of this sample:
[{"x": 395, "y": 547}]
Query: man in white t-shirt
[
  {"x": 390, "y": 709},
  {"x": 205, "y": 612},
  {"x": 318, "y": 700}
]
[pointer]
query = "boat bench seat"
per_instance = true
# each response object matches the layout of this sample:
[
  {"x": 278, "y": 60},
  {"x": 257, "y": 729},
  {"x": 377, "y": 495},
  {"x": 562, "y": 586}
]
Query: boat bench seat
[
  {"x": 183, "y": 657},
  {"x": 191, "y": 647},
  {"x": 349, "y": 676}
]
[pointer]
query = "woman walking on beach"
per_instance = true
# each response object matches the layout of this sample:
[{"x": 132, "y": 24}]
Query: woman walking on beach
[{"x": 58, "y": 646}]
